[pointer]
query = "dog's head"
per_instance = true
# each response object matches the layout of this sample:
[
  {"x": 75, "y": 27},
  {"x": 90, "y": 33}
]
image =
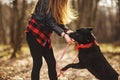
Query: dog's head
[{"x": 83, "y": 35}]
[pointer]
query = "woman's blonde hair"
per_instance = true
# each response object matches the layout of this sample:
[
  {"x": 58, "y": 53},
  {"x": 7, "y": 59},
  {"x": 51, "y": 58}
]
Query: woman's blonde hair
[{"x": 60, "y": 11}]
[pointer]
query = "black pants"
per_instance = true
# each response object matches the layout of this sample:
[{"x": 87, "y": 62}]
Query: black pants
[{"x": 37, "y": 52}]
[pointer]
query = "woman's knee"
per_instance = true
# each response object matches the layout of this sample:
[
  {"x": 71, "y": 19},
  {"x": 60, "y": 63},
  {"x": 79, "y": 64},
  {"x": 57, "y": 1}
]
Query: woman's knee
[
  {"x": 37, "y": 63},
  {"x": 52, "y": 65}
]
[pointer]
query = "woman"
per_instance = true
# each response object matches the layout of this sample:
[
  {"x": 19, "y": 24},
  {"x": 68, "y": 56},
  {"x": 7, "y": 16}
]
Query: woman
[{"x": 48, "y": 16}]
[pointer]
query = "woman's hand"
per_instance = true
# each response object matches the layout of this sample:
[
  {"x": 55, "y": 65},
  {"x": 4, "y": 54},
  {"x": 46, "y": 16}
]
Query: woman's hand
[
  {"x": 67, "y": 38},
  {"x": 69, "y": 31}
]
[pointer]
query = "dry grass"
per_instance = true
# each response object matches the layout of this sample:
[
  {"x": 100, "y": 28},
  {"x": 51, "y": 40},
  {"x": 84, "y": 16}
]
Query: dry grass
[{"x": 20, "y": 68}]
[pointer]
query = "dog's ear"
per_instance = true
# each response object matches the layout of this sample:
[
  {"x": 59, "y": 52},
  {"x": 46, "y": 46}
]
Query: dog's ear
[{"x": 90, "y": 28}]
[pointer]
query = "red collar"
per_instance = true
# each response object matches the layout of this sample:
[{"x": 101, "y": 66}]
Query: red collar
[{"x": 86, "y": 45}]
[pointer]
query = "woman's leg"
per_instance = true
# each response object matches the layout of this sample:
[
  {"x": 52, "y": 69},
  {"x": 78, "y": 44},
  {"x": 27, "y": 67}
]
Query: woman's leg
[
  {"x": 50, "y": 59},
  {"x": 36, "y": 53},
  {"x": 37, "y": 63}
]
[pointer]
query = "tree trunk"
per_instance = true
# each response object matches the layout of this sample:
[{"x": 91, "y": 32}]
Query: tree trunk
[
  {"x": 87, "y": 12},
  {"x": 13, "y": 30},
  {"x": 2, "y": 30},
  {"x": 18, "y": 27},
  {"x": 118, "y": 22}
]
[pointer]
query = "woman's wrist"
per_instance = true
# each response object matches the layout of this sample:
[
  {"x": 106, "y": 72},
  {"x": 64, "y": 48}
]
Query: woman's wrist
[
  {"x": 69, "y": 31},
  {"x": 63, "y": 34}
]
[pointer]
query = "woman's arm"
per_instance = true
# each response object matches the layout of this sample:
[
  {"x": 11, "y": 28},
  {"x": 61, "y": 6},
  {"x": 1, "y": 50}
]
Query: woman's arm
[
  {"x": 46, "y": 19},
  {"x": 54, "y": 26}
]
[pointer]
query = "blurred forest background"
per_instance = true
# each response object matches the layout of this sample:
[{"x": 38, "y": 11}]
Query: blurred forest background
[{"x": 102, "y": 15}]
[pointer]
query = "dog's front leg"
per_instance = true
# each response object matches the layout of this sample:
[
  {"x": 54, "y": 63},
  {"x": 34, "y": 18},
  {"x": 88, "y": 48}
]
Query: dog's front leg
[{"x": 74, "y": 65}]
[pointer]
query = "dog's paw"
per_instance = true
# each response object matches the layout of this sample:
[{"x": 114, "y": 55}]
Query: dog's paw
[{"x": 65, "y": 68}]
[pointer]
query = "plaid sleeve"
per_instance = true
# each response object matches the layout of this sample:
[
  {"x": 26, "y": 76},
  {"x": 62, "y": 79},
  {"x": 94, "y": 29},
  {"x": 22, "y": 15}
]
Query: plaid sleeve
[{"x": 65, "y": 28}]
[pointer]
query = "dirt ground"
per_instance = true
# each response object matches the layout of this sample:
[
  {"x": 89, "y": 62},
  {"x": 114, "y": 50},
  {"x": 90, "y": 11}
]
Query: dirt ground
[{"x": 20, "y": 68}]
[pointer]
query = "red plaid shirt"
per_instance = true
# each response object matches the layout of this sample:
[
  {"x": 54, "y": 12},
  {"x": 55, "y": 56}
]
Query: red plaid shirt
[{"x": 41, "y": 36}]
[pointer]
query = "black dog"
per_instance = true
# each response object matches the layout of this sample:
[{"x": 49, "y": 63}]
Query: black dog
[{"x": 91, "y": 56}]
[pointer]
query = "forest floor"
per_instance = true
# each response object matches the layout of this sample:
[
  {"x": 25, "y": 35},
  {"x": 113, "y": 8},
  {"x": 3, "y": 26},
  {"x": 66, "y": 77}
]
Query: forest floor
[{"x": 20, "y": 67}]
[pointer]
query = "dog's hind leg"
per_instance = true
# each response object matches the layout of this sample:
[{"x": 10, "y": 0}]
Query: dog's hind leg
[{"x": 74, "y": 65}]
